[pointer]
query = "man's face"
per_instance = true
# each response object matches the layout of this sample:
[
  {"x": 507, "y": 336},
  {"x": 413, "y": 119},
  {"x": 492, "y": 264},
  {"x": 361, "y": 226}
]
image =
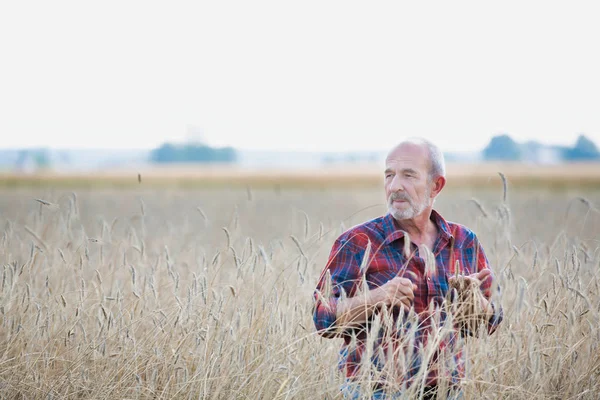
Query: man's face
[{"x": 407, "y": 188}]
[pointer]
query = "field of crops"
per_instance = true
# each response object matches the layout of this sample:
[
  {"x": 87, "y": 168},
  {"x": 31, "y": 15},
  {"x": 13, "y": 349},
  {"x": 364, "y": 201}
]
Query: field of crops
[{"x": 166, "y": 292}]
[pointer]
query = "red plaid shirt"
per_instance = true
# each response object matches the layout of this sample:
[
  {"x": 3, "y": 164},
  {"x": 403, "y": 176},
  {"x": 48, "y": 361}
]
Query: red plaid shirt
[{"x": 454, "y": 244}]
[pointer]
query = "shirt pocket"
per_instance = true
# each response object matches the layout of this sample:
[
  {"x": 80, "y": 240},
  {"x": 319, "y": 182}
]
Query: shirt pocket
[{"x": 382, "y": 268}]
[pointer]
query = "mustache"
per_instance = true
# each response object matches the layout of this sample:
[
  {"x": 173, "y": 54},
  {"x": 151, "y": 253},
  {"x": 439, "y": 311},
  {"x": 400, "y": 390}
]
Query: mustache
[{"x": 400, "y": 196}]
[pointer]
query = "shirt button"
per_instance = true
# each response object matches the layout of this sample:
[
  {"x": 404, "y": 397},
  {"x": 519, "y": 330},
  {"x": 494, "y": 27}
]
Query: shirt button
[{"x": 428, "y": 278}]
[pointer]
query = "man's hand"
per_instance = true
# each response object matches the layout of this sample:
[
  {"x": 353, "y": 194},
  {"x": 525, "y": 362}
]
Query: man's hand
[
  {"x": 356, "y": 310},
  {"x": 395, "y": 292},
  {"x": 472, "y": 304},
  {"x": 480, "y": 277}
]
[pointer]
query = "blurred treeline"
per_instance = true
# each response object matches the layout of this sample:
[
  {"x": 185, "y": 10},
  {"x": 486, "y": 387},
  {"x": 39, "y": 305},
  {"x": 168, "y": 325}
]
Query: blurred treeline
[
  {"x": 504, "y": 148},
  {"x": 192, "y": 153}
]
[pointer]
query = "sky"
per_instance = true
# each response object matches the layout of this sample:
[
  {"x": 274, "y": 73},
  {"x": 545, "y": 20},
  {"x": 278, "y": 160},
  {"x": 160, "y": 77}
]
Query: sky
[{"x": 305, "y": 75}]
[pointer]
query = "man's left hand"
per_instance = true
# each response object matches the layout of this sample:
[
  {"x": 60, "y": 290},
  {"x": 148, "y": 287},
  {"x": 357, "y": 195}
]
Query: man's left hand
[{"x": 479, "y": 278}]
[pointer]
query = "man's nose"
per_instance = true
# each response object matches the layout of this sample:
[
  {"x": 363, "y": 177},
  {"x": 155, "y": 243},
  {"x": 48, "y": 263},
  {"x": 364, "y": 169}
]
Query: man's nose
[{"x": 396, "y": 185}]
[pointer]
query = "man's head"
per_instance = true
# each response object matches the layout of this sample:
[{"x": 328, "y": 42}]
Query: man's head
[{"x": 414, "y": 176}]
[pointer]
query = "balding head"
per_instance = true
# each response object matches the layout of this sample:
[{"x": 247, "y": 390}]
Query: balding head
[{"x": 437, "y": 165}]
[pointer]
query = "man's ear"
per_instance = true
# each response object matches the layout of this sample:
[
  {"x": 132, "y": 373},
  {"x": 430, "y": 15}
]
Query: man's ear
[{"x": 437, "y": 186}]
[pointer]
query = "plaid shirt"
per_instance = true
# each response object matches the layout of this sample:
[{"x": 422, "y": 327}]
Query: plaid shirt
[{"x": 455, "y": 245}]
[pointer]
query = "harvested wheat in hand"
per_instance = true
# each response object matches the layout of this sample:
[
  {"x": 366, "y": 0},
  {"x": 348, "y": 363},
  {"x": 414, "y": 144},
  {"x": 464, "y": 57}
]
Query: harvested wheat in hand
[{"x": 467, "y": 303}]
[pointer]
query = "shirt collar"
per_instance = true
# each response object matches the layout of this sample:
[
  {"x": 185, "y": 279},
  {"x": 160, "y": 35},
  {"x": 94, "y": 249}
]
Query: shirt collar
[{"x": 392, "y": 232}]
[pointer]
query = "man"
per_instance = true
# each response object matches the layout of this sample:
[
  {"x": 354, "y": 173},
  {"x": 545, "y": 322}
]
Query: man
[{"x": 386, "y": 286}]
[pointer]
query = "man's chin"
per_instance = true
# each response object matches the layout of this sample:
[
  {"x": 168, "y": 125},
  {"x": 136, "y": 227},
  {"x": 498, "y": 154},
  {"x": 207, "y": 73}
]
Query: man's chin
[{"x": 401, "y": 215}]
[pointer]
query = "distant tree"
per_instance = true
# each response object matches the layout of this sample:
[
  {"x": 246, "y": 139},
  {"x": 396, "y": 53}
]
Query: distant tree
[
  {"x": 33, "y": 159},
  {"x": 192, "y": 153},
  {"x": 502, "y": 148},
  {"x": 532, "y": 146},
  {"x": 165, "y": 153},
  {"x": 328, "y": 159},
  {"x": 351, "y": 158},
  {"x": 583, "y": 150},
  {"x": 42, "y": 159}
]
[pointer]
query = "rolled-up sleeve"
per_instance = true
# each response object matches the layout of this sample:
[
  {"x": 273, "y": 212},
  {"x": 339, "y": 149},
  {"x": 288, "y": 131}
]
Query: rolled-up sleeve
[{"x": 340, "y": 275}]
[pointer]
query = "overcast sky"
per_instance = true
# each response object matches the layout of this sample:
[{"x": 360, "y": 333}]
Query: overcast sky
[{"x": 305, "y": 75}]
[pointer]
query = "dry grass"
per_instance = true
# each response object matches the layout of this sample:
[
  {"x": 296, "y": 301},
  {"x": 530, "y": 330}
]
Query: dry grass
[
  {"x": 149, "y": 293},
  {"x": 357, "y": 176}
]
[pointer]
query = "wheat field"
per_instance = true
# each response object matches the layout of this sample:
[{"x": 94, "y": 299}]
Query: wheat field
[{"x": 207, "y": 293}]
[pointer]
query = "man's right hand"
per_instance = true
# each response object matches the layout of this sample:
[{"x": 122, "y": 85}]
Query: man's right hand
[
  {"x": 395, "y": 292},
  {"x": 356, "y": 310}
]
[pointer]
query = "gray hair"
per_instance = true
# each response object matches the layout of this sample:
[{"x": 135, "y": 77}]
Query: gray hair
[{"x": 437, "y": 165}]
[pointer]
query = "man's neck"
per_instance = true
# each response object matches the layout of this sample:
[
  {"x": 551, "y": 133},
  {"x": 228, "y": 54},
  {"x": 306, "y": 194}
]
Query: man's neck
[{"x": 421, "y": 229}]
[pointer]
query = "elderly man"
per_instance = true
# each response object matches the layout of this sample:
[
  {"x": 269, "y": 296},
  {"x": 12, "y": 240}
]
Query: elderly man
[{"x": 385, "y": 289}]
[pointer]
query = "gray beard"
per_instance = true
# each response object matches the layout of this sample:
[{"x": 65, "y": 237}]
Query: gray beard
[
  {"x": 408, "y": 213},
  {"x": 413, "y": 211}
]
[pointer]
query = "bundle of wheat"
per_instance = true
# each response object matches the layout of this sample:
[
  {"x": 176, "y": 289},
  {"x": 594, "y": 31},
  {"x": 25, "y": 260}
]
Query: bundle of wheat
[{"x": 466, "y": 302}]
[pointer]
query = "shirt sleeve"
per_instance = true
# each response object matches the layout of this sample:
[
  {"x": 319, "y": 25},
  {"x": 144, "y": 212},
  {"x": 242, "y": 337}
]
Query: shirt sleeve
[{"x": 341, "y": 275}]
